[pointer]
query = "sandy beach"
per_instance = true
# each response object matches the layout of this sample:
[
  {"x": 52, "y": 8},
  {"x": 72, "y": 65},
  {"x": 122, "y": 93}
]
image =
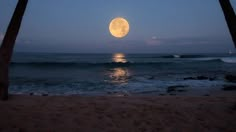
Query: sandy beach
[{"x": 23, "y": 113}]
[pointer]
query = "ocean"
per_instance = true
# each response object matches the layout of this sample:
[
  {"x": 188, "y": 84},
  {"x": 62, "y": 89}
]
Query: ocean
[{"x": 119, "y": 74}]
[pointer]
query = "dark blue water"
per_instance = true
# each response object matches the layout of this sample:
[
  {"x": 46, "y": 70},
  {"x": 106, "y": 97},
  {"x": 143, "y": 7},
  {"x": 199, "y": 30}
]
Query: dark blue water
[{"x": 102, "y": 74}]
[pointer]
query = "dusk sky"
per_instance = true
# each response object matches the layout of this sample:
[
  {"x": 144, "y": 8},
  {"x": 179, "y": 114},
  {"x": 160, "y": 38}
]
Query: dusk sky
[{"x": 156, "y": 26}]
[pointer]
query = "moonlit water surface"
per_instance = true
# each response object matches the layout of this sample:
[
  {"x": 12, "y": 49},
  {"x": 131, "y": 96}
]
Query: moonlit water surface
[{"x": 132, "y": 74}]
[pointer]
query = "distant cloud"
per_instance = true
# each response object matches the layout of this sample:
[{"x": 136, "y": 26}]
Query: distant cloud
[
  {"x": 192, "y": 41},
  {"x": 178, "y": 41},
  {"x": 153, "y": 41},
  {"x": 152, "y": 45},
  {"x": 182, "y": 41}
]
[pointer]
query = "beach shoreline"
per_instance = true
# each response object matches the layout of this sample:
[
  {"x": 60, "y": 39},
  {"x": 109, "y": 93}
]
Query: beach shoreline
[{"x": 118, "y": 113}]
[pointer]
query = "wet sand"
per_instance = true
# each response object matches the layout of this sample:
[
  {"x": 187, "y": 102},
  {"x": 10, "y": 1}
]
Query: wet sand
[{"x": 118, "y": 114}]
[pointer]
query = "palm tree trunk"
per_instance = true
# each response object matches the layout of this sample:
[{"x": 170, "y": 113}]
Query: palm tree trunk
[
  {"x": 7, "y": 46},
  {"x": 230, "y": 18}
]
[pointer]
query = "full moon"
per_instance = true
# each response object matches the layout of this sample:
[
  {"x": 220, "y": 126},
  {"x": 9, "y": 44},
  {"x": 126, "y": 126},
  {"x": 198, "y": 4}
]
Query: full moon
[{"x": 119, "y": 27}]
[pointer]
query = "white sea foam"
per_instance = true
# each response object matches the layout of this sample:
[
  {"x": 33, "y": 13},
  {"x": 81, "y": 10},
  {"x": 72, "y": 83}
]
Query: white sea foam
[
  {"x": 229, "y": 59},
  {"x": 176, "y": 56}
]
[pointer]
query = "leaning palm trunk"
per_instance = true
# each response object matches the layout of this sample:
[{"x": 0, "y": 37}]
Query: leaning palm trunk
[
  {"x": 7, "y": 46},
  {"x": 230, "y": 18}
]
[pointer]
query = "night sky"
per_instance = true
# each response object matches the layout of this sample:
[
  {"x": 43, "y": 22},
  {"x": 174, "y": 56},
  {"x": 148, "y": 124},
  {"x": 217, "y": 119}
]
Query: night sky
[{"x": 156, "y": 26}]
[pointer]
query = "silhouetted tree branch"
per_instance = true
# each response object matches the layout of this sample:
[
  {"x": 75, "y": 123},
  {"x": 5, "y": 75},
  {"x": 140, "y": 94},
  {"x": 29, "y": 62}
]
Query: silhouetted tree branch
[
  {"x": 230, "y": 18},
  {"x": 7, "y": 46}
]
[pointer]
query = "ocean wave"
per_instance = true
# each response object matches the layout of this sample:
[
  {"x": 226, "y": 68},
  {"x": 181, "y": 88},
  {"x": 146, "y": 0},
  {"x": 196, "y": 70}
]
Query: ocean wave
[
  {"x": 125, "y": 64},
  {"x": 215, "y": 59},
  {"x": 169, "y": 56},
  {"x": 229, "y": 60},
  {"x": 85, "y": 64},
  {"x": 182, "y": 56}
]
